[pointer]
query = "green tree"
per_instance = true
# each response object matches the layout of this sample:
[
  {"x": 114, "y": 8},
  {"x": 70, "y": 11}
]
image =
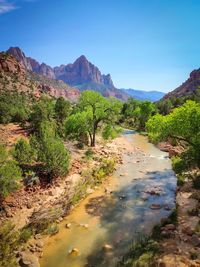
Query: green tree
[
  {"x": 182, "y": 124},
  {"x": 50, "y": 151},
  {"x": 62, "y": 111},
  {"x": 43, "y": 110},
  {"x": 23, "y": 152},
  {"x": 94, "y": 111},
  {"x": 147, "y": 109},
  {"x": 9, "y": 243},
  {"x": 10, "y": 174},
  {"x": 14, "y": 107}
]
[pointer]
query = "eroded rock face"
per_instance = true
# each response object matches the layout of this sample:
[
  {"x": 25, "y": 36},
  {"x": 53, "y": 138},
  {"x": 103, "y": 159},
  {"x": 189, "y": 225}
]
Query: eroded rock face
[
  {"x": 80, "y": 72},
  {"x": 189, "y": 87}
]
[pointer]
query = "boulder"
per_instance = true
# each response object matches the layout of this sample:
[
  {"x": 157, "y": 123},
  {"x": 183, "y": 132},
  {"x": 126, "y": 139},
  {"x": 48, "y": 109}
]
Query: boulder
[
  {"x": 28, "y": 260},
  {"x": 73, "y": 252}
]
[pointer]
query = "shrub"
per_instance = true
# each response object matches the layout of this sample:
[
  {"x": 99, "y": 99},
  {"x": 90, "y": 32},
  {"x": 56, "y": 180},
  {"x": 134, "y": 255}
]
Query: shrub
[
  {"x": 180, "y": 179},
  {"x": 23, "y": 152},
  {"x": 89, "y": 153},
  {"x": 14, "y": 107},
  {"x": 10, "y": 173},
  {"x": 52, "y": 229},
  {"x": 54, "y": 156},
  {"x": 111, "y": 132},
  {"x": 178, "y": 164},
  {"x": 9, "y": 243},
  {"x": 25, "y": 235}
]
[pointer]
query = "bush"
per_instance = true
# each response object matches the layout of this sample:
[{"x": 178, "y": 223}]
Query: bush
[
  {"x": 180, "y": 179},
  {"x": 25, "y": 235},
  {"x": 9, "y": 243},
  {"x": 89, "y": 153},
  {"x": 10, "y": 173},
  {"x": 50, "y": 151},
  {"x": 43, "y": 111},
  {"x": 178, "y": 164},
  {"x": 54, "y": 156},
  {"x": 23, "y": 152},
  {"x": 111, "y": 132},
  {"x": 14, "y": 107}
]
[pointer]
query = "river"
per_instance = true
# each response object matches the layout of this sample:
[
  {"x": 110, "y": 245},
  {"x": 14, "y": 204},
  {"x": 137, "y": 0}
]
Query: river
[{"x": 116, "y": 218}]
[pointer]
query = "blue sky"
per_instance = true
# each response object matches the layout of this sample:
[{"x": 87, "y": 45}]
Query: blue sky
[{"x": 143, "y": 44}]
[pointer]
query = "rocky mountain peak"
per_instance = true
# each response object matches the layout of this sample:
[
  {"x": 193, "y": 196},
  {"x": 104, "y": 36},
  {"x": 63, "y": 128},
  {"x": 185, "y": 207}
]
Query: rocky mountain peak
[{"x": 20, "y": 56}]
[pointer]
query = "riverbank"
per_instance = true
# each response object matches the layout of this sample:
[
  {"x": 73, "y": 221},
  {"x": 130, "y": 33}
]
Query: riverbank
[
  {"x": 136, "y": 197},
  {"x": 180, "y": 243},
  {"x": 25, "y": 206}
]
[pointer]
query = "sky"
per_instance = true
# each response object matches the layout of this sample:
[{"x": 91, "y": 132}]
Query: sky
[{"x": 143, "y": 44}]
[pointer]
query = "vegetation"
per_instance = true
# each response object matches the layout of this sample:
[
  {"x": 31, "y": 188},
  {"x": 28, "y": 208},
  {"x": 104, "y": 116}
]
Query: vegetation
[
  {"x": 23, "y": 153},
  {"x": 10, "y": 173},
  {"x": 182, "y": 124},
  {"x": 14, "y": 107},
  {"x": 94, "y": 112},
  {"x": 136, "y": 113}
]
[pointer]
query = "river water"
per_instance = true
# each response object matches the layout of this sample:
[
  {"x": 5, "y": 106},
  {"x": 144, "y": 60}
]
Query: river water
[{"x": 116, "y": 219}]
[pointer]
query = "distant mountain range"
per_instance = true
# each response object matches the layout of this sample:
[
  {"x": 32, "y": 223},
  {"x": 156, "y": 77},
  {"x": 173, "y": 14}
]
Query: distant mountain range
[
  {"x": 83, "y": 75},
  {"x": 144, "y": 95}
]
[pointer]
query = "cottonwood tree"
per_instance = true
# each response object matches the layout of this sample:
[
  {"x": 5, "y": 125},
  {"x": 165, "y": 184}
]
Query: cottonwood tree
[
  {"x": 94, "y": 112},
  {"x": 182, "y": 124}
]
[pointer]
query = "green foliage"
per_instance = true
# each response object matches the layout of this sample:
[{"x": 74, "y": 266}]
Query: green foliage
[
  {"x": 111, "y": 132},
  {"x": 50, "y": 151},
  {"x": 43, "y": 111},
  {"x": 9, "y": 243},
  {"x": 53, "y": 229},
  {"x": 25, "y": 235},
  {"x": 23, "y": 152},
  {"x": 14, "y": 107},
  {"x": 89, "y": 153},
  {"x": 178, "y": 164},
  {"x": 182, "y": 124},
  {"x": 62, "y": 111},
  {"x": 141, "y": 254},
  {"x": 10, "y": 174},
  {"x": 94, "y": 111},
  {"x": 136, "y": 113},
  {"x": 78, "y": 126}
]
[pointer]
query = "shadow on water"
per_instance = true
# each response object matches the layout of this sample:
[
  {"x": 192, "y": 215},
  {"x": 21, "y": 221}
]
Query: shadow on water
[{"x": 128, "y": 213}]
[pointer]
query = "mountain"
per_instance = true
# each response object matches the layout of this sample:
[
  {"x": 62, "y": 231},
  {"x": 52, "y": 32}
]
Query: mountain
[
  {"x": 189, "y": 87},
  {"x": 144, "y": 95},
  {"x": 16, "y": 76},
  {"x": 81, "y": 74}
]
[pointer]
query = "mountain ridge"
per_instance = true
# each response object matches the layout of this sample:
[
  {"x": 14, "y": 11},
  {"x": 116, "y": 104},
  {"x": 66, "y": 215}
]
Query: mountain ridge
[
  {"x": 144, "y": 95},
  {"x": 187, "y": 88},
  {"x": 81, "y": 74}
]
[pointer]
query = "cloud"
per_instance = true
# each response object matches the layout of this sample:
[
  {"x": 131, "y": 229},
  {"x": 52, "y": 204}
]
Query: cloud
[{"x": 6, "y": 6}]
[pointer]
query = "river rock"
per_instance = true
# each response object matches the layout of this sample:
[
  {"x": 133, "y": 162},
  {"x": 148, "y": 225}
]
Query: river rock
[
  {"x": 68, "y": 225},
  {"x": 84, "y": 225},
  {"x": 73, "y": 252},
  {"x": 107, "y": 247},
  {"x": 155, "y": 206},
  {"x": 40, "y": 244},
  {"x": 28, "y": 260}
]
